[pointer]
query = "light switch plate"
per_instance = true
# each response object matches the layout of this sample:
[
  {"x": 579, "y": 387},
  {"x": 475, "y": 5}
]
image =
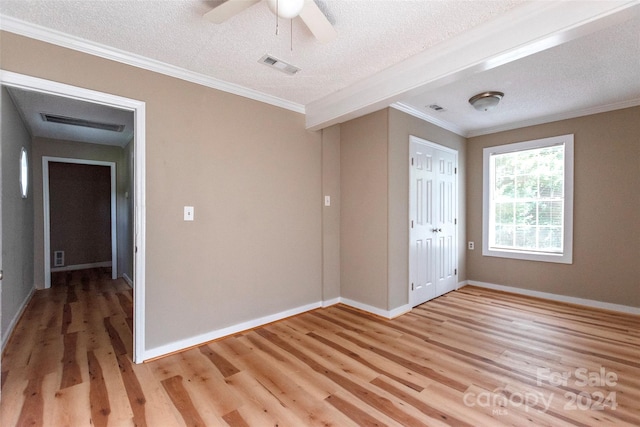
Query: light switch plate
[
  {"x": 327, "y": 200},
  {"x": 188, "y": 213}
]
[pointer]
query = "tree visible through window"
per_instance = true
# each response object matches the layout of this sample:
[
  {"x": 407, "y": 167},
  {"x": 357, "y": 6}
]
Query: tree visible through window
[{"x": 526, "y": 199}]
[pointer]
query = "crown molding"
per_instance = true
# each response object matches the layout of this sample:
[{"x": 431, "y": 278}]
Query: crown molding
[
  {"x": 433, "y": 120},
  {"x": 58, "y": 38},
  {"x": 555, "y": 117},
  {"x": 526, "y": 30}
]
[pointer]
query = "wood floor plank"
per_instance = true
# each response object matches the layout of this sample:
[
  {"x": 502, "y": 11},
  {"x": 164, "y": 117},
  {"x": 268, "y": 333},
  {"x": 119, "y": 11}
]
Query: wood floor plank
[
  {"x": 473, "y": 357},
  {"x": 182, "y": 401},
  {"x": 98, "y": 394},
  {"x": 134, "y": 391}
]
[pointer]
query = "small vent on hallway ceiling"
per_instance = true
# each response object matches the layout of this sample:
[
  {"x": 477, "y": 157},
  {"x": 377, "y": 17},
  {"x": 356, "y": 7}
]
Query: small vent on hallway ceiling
[
  {"x": 436, "y": 107},
  {"x": 72, "y": 121},
  {"x": 279, "y": 64}
]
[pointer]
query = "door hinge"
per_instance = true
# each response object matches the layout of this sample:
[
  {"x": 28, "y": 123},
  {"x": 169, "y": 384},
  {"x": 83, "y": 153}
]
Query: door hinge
[
  {"x": 412, "y": 286},
  {"x": 412, "y": 161},
  {"x": 455, "y": 272},
  {"x": 455, "y": 171},
  {"x": 455, "y": 221},
  {"x": 411, "y": 223}
]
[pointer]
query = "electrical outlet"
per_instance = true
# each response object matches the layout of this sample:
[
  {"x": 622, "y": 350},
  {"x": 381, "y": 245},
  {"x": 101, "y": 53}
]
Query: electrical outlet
[{"x": 472, "y": 246}]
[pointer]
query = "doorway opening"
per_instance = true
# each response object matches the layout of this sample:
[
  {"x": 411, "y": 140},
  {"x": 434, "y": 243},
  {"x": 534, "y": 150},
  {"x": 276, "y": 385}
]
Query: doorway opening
[
  {"x": 64, "y": 91},
  {"x": 63, "y": 222}
]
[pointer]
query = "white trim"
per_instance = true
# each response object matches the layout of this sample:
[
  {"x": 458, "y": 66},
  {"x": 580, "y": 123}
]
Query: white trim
[
  {"x": 139, "y": 110},
  {"x": 559, "y": 298},
  {"x": 82, "y": 266},
  {"x": 127, "y": 279},
  {"x": 14, "y": 321},
  {"x": 230, "y": 330},
  {"x": 555, "y": 117},
  {"x": 330, "y": 302},
  {"x": 400, "y": 106},
  {"x": 388, "y": 314},
  {"x": 27, "y": 29},
  {"x": 47, "y": 218}
]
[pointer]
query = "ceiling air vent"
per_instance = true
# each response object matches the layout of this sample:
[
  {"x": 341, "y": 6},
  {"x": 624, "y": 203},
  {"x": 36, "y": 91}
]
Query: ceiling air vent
[
  {"x": 72, "y": 121},
  {"x": 279, "y": 64}
]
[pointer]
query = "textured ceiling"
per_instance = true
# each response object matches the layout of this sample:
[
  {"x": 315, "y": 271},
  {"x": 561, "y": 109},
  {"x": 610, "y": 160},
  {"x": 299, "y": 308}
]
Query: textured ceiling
[
  {"x": 598, "y": 68},
  {"x": 372, "y": 35}
]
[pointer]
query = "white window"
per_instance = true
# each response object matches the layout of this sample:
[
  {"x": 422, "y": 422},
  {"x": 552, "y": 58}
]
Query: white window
[
  {"x": 528, "y": 200},
  {"x": 24, "y": 173}
]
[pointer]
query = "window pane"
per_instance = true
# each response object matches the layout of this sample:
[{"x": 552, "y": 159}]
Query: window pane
[
  {"x": 504, "y": 236},
  {"x": 526, "y": 213},
  {"x": 505, "y": 213},
  {"x": 550, "y": 238},
  {"x": 505, "y": 187},
  {"x": 525, "y": 237}
]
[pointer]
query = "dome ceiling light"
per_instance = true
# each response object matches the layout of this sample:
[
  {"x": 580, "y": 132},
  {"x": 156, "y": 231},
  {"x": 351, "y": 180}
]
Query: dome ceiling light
[
  {"x": 486, "y": 101},
  {"x": 286, "y": 9}
]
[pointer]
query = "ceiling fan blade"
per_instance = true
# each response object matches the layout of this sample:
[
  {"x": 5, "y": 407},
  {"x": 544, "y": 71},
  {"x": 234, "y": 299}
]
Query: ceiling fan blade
[
  {"x": 226, "y": 10},
  {"x": 317, "y": 22}
]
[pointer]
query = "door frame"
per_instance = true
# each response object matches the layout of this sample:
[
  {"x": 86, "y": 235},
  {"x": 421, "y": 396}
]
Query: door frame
[
  {"x": 413, "y": 138},
  {"x": 47, "y": 212},
  {"x": 138, "y": 108}
]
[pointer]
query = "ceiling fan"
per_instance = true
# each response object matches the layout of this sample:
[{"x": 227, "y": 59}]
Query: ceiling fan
[{"x": 307, "y": 10}]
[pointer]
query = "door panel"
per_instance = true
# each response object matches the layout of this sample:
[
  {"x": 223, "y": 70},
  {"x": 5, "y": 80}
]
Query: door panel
[
  {"x": 446, "y": 277},
  {"x": 422, "y": 218}
]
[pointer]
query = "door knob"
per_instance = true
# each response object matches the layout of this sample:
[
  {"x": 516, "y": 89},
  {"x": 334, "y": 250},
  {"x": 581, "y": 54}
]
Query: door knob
[{"x": 436, "y": 230}]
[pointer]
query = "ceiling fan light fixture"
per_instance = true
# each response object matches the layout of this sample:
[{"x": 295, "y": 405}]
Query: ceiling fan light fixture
[
  {"x": 286, "y": 9},
  {"x": 486, "y": 101}
]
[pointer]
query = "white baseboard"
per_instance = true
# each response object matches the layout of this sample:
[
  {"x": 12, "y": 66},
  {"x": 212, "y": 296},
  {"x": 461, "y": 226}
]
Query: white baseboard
[
  {"x": 255, "y": 323},
  {"x": 330, "y": 302},
  {"x": 219, "y": 333},
  {"x": 555, "y": 297},
  {"x": 127, "y": 279},
  {"x": 81, "y": 266},
  {"x": 15, "y": 319},
  {"x": 387, "y": 314}
]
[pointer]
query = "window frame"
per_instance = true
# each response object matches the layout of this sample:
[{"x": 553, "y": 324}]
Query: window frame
[{"x": 566, "y": 257}]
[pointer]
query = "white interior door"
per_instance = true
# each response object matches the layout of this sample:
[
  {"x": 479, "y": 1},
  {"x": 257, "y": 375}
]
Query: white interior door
[
  {"x": 446, "y": 222},
  {"x": 432, "y": 221},
  {"x": 422, "y": 222}
]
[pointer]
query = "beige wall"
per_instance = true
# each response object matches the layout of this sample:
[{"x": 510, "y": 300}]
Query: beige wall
[
  {"x": 66, "y": 149},
  {"x": 17, "y": 216},
  {"x": 606, "y": 246},
  {"x": 253, "y": 174},
  {"x": 375, "y": 202},
  {"x": 331, "y": 214},
  {"x": 80, "y": 212},
  {"x": 401, "y": 126},
  {"x": 363, "y": 209}
]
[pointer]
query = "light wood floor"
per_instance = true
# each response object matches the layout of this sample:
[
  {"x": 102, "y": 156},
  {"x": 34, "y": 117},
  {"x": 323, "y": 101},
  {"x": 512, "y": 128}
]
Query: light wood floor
[{"x": 470, "y": 358}]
